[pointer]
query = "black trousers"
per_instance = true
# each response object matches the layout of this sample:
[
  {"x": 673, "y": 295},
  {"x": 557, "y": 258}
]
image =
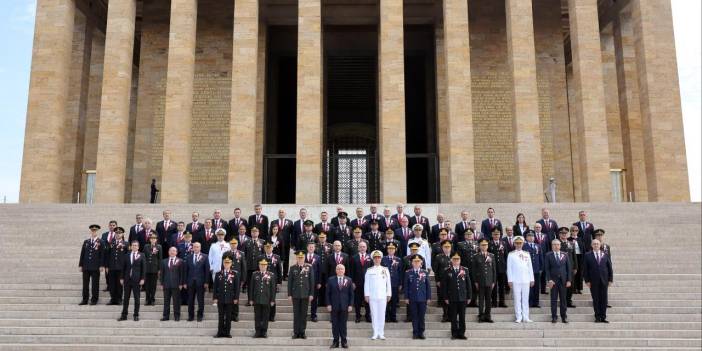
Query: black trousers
[
  {"x": 224, "y": 325},
  {"x": 578, "y": 276},
  {"x": 338, "y": 320},
  {"x": 168, "y": 295},
  {"x": 457, "y": 315},
  {"x": 484, "y": 297},
  {"x": 360, "y": 301},
  {"x": 542, "y": 287},
  {"x": 196, "y": 291},
  {"x": 150, "y": 286},
  {"x": 391, "y": 311},
  {"x": 300, "y": 315},
  {"x": 94, "y": 290},
  {"x": 322, "y": 292},
  {"x": 114, "y": 285},
  {"x": 315, "y": 302},
  {"x": 131, "y": 289},
  {"x": 284, "y": 256},
  {"x": 534, "y": 290},
  {"x": 261, "y": 315},
  {"x": 249, "y": 273},
  {"x": 440, "y": 298},
  {"x": 558, "y": 292},
  {"x": 500, "y": 288},
  {"x": 599, "y": 299}
]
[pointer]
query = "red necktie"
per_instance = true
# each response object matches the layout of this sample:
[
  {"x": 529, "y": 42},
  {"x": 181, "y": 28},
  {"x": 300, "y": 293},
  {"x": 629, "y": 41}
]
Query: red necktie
[{"x": 194, "y": 226}]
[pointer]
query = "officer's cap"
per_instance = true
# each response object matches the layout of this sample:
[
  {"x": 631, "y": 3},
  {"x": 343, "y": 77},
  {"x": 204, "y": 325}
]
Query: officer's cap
[
  {"x": 446, "y": 243},
  {"x": 416, "y": 258},
  {"x": 417, "y": 227},
  {"x": 530, "y": 232},
  {"x": 414, "y": 246},
  {"x": 484, "y": 242},
  {"x": 94, "y": 226},
  {"x": 389, "y": 230},
  {"x": 322, "y": 235},
  {"x": 374, "y": 221},
  {"x": 391, "y": 246},
  {"x": 342, "y": 214},
  {"x": 227, "y": 260},
  {"x": 187, "y": 234},
  {"x": 119, "y": 230},
  {"x": 153, "y": 236},
  {"x": 376, "y": 253},
  {"x": 456, "y": 256},
  {"x": 443, "y": 231},
  {"x": 563, "y": 230},
  {"x": 300, "y": 253},
  {"x": 263, "y": 262},
  {"x": 518, "y": 239},
  {"x": 496, "y": 229},
  {"x": 268, "y": 244},
  {"x": 234, "y": 241},
  {"x": 221, "y": 231},
  {"x": 599, "y": 231},
  {"x": 308, "y": 222}
]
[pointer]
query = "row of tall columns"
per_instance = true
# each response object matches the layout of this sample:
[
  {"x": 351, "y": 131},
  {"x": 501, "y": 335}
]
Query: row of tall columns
[{"x": 654, "y": 104}]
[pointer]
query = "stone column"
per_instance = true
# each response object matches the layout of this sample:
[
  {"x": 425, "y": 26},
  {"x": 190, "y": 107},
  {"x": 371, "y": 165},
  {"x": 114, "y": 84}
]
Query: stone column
[
  {"x": 308, "y": 169},
  {"x": 177, "y": 126},
  {"x": 48, "y": 96},
  {"x": 629, "y": 107},
  {"x": 664, "y": 142},
  {"x": 391, "y": 100},
  {"x": 242, "y": 134},
  {"x": 589, "y": 101},
  {"x": 525, "y": 100},
  {"x": 459, "y": 112},
  {"x": 113, "y": 135}
]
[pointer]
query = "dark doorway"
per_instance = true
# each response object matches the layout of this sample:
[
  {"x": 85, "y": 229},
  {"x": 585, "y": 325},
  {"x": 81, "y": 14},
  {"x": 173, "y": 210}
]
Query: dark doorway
[
  {"x": 281, "y": 115},
  {"x": 420, "y": 115},
  {"x": 350, "y": 91}
]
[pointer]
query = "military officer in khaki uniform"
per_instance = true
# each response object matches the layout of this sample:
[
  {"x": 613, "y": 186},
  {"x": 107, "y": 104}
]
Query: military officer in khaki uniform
[
  {"x": 261, "y": 295},
  {"x": 301, "y": 287}
]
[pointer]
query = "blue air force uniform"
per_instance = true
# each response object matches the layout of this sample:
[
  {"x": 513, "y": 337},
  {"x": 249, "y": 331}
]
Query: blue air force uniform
[
  {"x": 396, "y": 267},
  {"x": 418, "y": 292}
]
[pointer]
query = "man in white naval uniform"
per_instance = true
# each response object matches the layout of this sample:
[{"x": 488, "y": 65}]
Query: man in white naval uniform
[
  {"x": 216, "y": 251},
  {"x": 424, "y": 248},
  {"x": 377, "y": 291},
  {"x": 520, "y": 277}
]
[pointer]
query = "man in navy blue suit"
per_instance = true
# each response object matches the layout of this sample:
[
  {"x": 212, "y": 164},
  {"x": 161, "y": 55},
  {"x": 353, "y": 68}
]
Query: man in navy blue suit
[
  {"x": 133, "y": 266},
  {"x": 598, "y": 275},
  {"x": 587, "y": 229},
  {"x": 339, "y": 298},
  {"x": 559, "y": 275},
  {"x": 537, "y": 256},
  {"x": 548, "y": 225},
  {"x": 490, "y": 223},
  {"x": 197, "y": 270},
  {"x": 417, "y": 295},
  {"x": 396, "y": 268}
]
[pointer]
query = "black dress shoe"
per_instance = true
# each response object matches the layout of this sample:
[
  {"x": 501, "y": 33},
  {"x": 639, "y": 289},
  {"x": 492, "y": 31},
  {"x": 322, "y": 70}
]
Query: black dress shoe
[
  {"x": 271, "y": 319},
  {"x": 164, "y": 319},
  {"x": 609, "y": 306},
  {"x": 368, "y": 319},
  {"x": 444, "y": 319},
  {"x": 190, "y": 319},
  {"x": 303, "y": 336},
  {"x": 265, "y": 336},
  {"x": 453, "y": 337},
  {"x": 422, "y": 337},
  {"x": 394, "y": 320},
  {"x": 503, "y": 305},
  {"x": 604, "y": 320},
  {"x": 136, "y": 318},
  {"x": 177, "y": 319},
  {"x": 415, "y": 337},
  {"x": 570, "y": 305},
  {"x": 295, "y": 336},
  {"x": 462, "y": 337},
  {"x": 228, "y": 336},
  {"x": 564, "y": 320},
  {"x": 358, "y": 320},
  {"x": 334, "y": 345},
  {"x": 199, "y": 319},
  {"x": 83, "y": 303},
  {"x": 472, "y": 305},
  {"x": 235, "y": 319},
  {"x": 407, "y": 320},
  {"x": 314, "y": 319},
  {"x": 344, "y": 346},
  {"x": 489, "y": 320},
  {"x": 122, "y": 318},
  {"x": 554, "y": 320},
  {"x": 93, "y": 303},
  {"x": 218, "y": 336}
]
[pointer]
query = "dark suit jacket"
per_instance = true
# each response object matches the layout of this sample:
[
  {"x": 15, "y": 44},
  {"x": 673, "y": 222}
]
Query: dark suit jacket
[
  {"x": 486, "y": 228},
  {"x": 318, "y": 228},
  {"x": 339, "y": 297},
  {"x": 434, "y": 236},
  {"x": 597, "y": 273},
  {"x": 518, "y": 231},
  {"x": 133, "y": 272},
  {"x": 331, "y": 263},
  {"x": 424, "y": 221},
  {"x": 262, "y": 225},
  {"x": 232, "y": 224},
  {"x": 297, "y": 230},
  {"x": 92, "y": 256},
  {"x": 459, "y": 229},
  {"x": 196, "y": 233},
  {"x": 551, "y": 230},
  {"x": 394, "y": 221},
  {"x": 558, "y": 270},
  {"x": 358, "y": 269},
  {"x": 165, "y": 233},
  {"x": 285, "y": 231},
  {"x": 586, "y": 233},
  {"x": 134, "y": 235},
  {"x": 196, "y": 273},
  {"x": 382, "y": 223},
  {"x": 173, "y": 277},
  {"x": 223, "y": 224},
  {"x": 365, "y": 224}
]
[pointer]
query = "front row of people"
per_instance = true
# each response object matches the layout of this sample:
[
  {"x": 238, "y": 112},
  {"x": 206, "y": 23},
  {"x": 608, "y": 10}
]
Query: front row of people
[{"x": 185, "y": 280}]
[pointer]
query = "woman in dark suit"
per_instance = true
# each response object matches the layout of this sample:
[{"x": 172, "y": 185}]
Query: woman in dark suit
[{"x": 520, "y": 227}]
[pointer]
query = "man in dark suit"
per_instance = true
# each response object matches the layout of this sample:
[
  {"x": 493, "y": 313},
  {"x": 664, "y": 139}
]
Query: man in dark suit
[
  {"x": 374, "y": 237},
  {"x": 236, "y": 222},
  {"x": 259, "y": 220},
  {"x": 340, "y": 294},
  {"x": 598, "y": 275},
  {"x": 396, "y": 219},
  {"x": 175, "y": 239},
  {"x": 195, "y": 227},
  {"x": 107, "y": 238},
  {"x": 91, "y": 263},
  {"x": 337, "y": 257},
  {"x": 325, "y": 226},
  {"x": 419, "y": 219},
  {"x": 485, "y": 273},
  {"x": 360, "y": 221},
  {"x": 208, "y": 236},
  {"x": 382, "y": 225},
  {"x": 139, "y": 231},
  {"x": 197, "y": 271},
  {"x": 417, "y": 295},
  {"x": 172, "y": 280},
  {"x": 133, "y": 267},
  {"x": 548, "y": 225},
  {"x": 403, "y": 233},
  {"x": 587, "y": 229},
  {"x": 335, "y": 220},
  {"x": 537, "y": 257},
  {"x": 360, "y": 263},
  {"x": 166, "y": 228},
  {"x": 298, "y": 229},
  {"x": 491, "y": 222},
  {"x": 557, "y": 268},
  {"x": 218, "y": 222},
  {"x": 464, "y": 223},
  {"x": 441, "y": 223},
  {"x": 285, "y": 227}
]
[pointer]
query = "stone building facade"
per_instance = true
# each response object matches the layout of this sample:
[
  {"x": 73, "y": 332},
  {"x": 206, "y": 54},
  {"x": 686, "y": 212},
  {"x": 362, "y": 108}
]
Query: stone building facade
[{"x": 341, "y": 101}]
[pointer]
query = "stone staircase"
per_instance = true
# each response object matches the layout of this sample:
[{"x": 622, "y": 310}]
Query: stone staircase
[{"x": 656, "y": 299}]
